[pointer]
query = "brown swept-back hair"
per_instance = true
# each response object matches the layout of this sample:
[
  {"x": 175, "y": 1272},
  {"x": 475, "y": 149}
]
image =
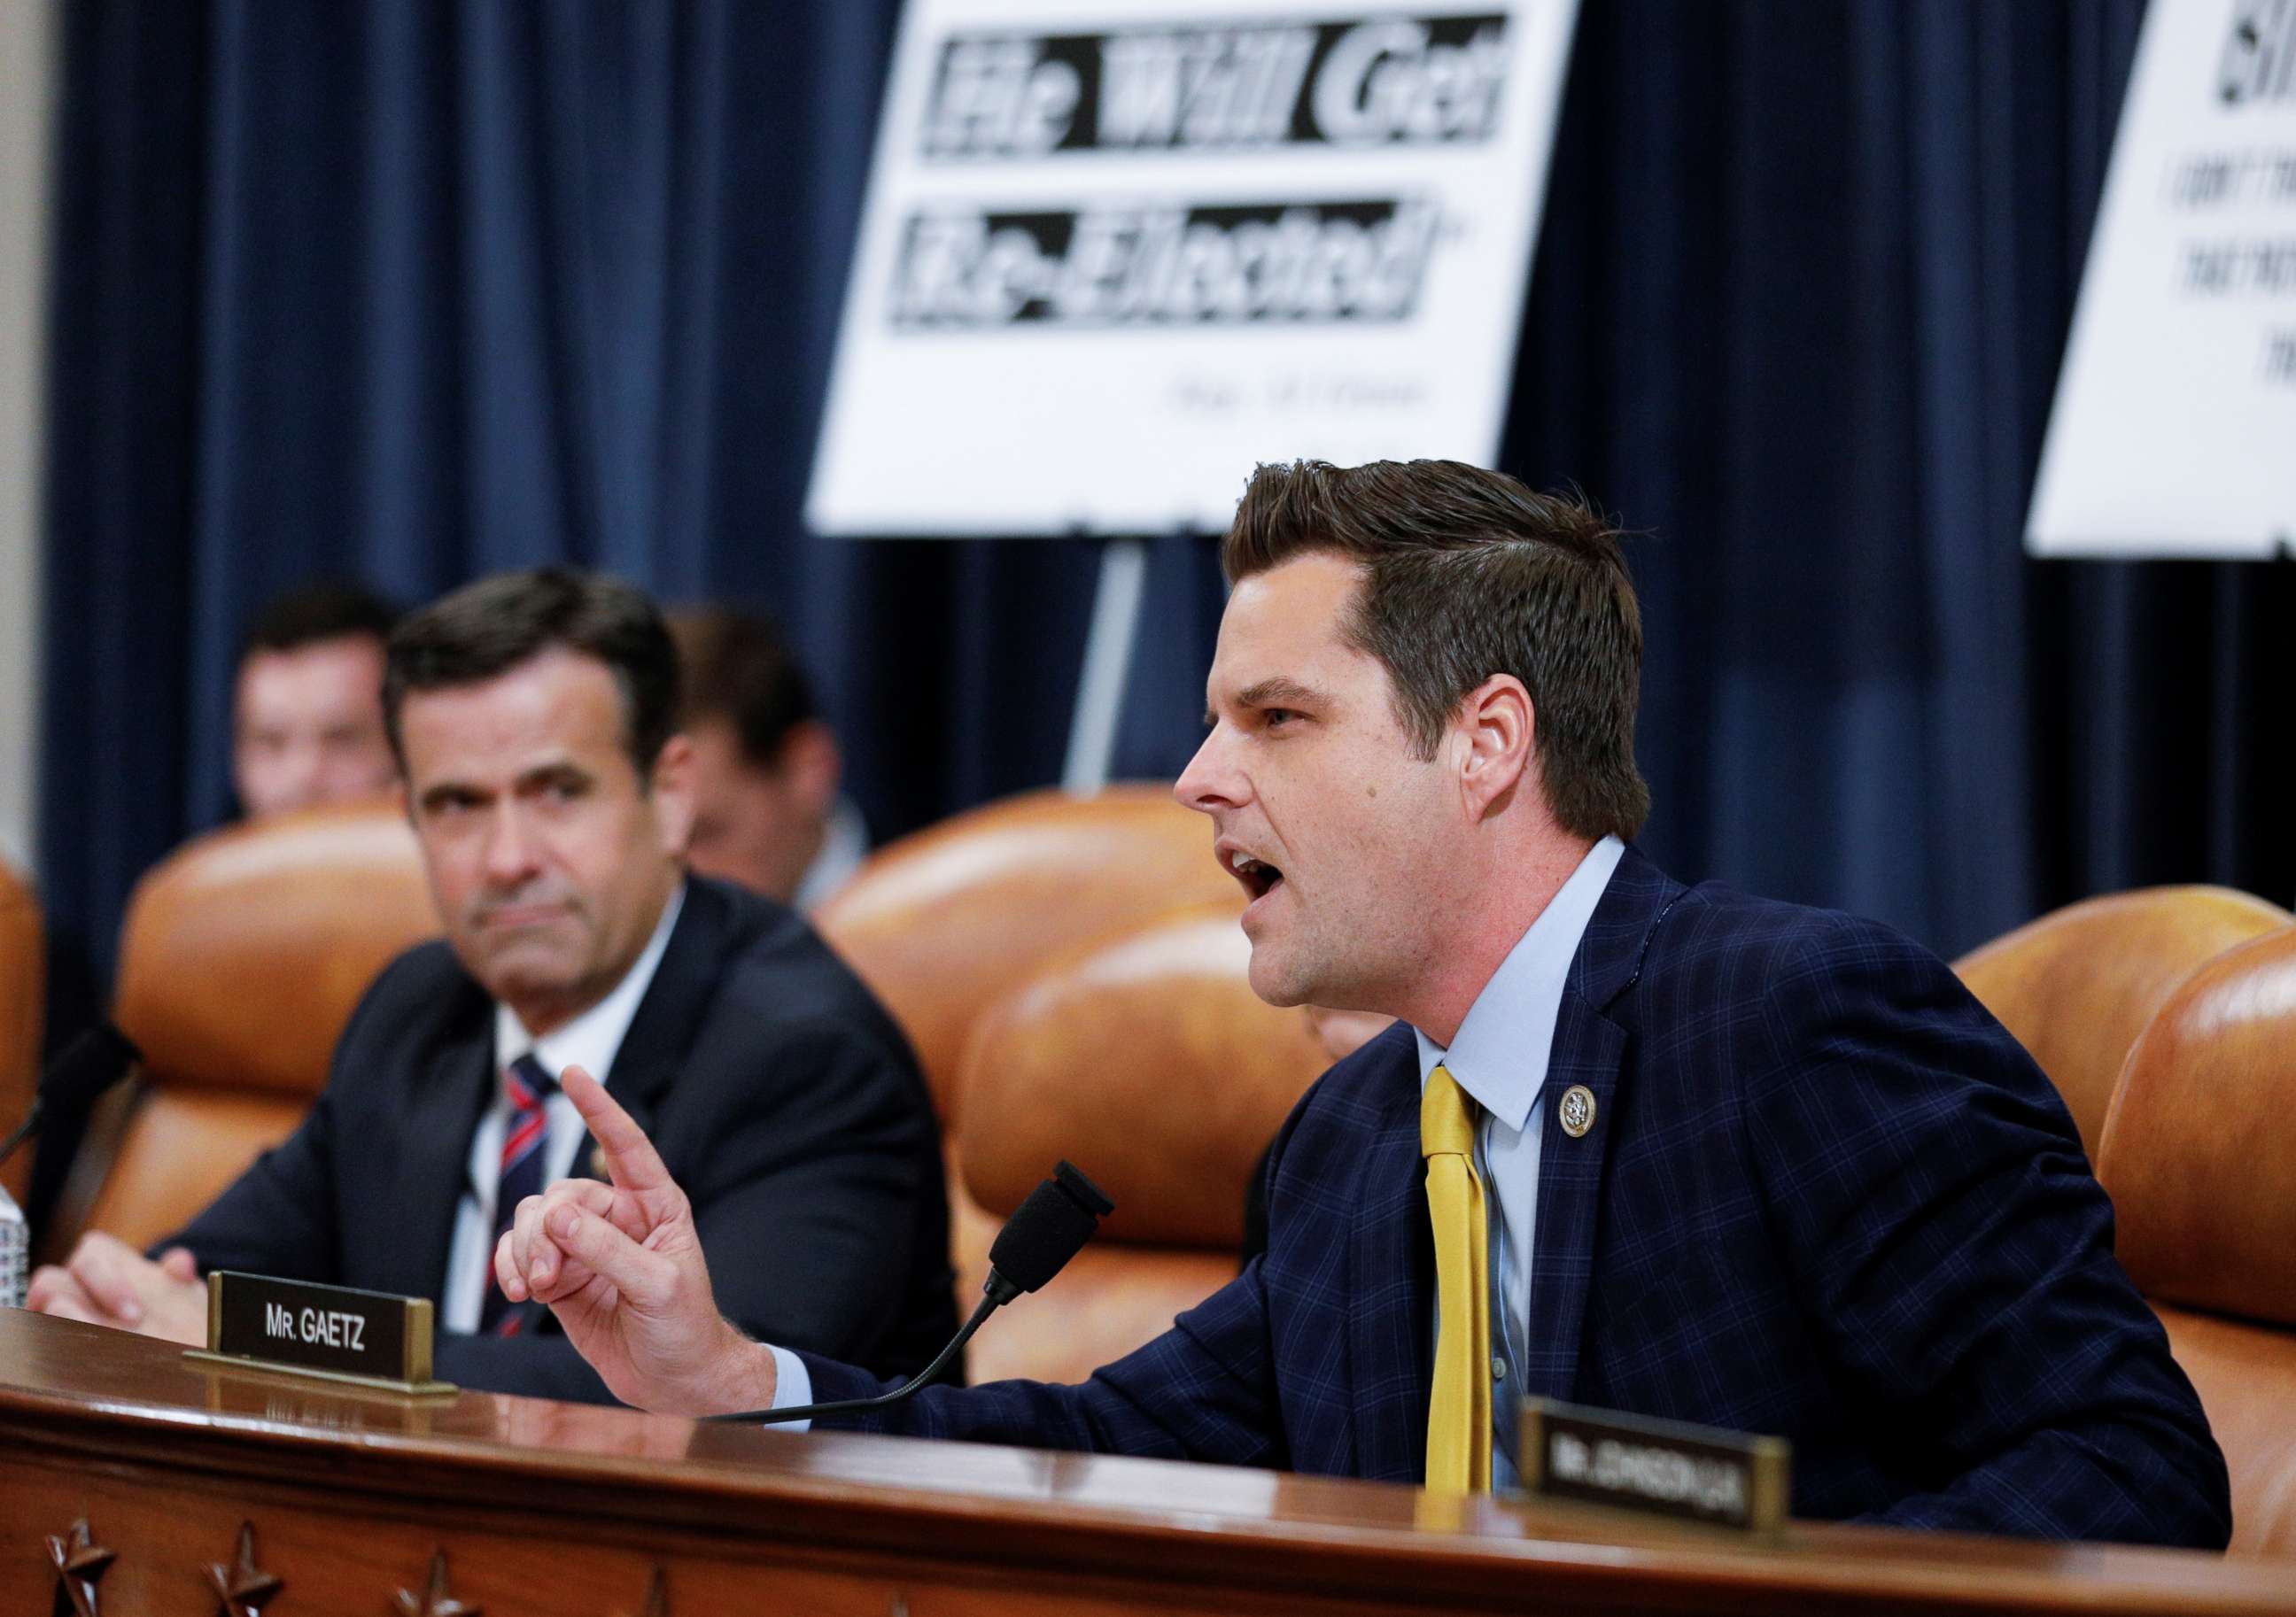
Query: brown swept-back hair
[{"x": 1467, "y": 574}]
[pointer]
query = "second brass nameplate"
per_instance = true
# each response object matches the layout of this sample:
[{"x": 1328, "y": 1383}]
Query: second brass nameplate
[
  {"x": 369, "y": 1337},
  {"x": 1701, "y": 1474}
]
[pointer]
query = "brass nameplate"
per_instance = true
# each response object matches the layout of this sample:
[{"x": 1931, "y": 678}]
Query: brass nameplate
[
  {"x": 1670, "y": 1468},
  {"x": 369, "y": 1338}
]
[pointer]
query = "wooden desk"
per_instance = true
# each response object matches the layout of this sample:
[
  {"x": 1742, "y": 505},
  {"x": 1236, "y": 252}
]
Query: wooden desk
[{"x": 535, "y": 1507}]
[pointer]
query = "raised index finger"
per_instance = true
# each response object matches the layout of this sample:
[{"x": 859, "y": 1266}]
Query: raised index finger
[{"x": 630, "y": 1159}]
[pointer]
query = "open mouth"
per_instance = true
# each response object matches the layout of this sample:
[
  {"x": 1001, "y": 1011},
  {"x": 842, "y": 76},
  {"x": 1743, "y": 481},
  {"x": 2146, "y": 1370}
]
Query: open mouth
[{"x": 1259, "y": 878}]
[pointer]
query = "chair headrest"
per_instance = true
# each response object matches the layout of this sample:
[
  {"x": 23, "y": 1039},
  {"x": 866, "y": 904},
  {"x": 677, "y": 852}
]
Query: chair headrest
[
  {"x": 1146, "y": 1060},
  {"x": 2198, "y": 1151},
  {"x": 2077, "y": 986},
  {"x": 245, "y": 952},
  {"x": 939, "y": 923}
]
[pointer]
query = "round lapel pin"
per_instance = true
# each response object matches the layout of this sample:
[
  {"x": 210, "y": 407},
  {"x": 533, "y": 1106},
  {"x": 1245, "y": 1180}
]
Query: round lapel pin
[{"x": 1576, "y": 1110}]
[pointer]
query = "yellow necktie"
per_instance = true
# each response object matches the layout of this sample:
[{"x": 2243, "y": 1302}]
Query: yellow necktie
[{"x": 1459, "y": 1411}]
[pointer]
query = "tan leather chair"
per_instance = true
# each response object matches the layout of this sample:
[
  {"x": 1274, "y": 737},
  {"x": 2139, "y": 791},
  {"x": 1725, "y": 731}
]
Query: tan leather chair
[
  {"x": 241, "y": 957},
  {"x": 2199, "y": 1154},
  {"x": 2077, "y": 986},
  {"x": 940, "y": 923},
  {"x": 23, "y": 992},
  {"x": 1147, "y": 1061}
]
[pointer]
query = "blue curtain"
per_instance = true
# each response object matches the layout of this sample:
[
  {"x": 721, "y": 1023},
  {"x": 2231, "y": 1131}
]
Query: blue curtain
[{"x": 424, "y": 290}]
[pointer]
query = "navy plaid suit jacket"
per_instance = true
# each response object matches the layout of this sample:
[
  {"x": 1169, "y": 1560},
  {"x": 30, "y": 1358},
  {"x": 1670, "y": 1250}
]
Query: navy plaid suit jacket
[{"x": 1825, "y": 1196}]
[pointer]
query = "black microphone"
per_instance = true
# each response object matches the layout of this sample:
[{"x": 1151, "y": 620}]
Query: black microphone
[
  {"x": 1043, "y": 1234},
  {"x": 82, "y": 1070}
]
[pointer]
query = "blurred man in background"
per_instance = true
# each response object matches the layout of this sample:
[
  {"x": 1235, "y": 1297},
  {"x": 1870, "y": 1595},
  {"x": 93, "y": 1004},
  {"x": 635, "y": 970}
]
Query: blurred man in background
[
  {"x": 306, "y": 714},
  {"x": 306, "y": 729},
  {"x": 767, "y": 769}
]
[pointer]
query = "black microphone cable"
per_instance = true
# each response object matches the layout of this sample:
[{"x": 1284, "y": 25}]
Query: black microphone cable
[
  {"x": 1043, "y": 1234},
  {"x": 81, "y": 1072}
]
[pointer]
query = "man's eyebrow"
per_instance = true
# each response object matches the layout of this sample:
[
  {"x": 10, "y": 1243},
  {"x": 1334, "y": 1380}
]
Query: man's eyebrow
[
  {"x": 1279, "y": 692},
  {"x": 558, "y": 771}
]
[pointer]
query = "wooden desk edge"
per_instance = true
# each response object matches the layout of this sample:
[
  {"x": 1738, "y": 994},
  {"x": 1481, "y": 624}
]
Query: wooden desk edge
[{"x": 1096, "y": 1516}]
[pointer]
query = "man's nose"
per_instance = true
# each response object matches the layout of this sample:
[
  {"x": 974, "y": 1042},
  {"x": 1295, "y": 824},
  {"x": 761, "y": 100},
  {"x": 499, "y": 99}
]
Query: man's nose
[
  {"x": 1209, "y": 783},
  {"x": 510, "y": 852}
]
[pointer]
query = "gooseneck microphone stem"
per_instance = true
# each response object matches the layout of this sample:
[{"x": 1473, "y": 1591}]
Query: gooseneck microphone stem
[
  {"x": 24, "y": 1130},
  {"x": 91, "y": 1063},
  {"x": 990, "y": 1302},
  {"x": 1044, "y": 1232}
]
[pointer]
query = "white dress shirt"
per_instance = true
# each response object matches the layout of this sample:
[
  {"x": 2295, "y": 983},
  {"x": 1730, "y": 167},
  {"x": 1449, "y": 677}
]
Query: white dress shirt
[
  {"x": 590, "y": 1042},
  {"x": 1499, "y": 1056}
]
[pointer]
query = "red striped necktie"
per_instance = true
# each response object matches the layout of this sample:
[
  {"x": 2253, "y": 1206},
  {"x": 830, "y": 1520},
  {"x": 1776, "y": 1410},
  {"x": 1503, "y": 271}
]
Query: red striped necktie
[{"x": 525, "y": 1151}]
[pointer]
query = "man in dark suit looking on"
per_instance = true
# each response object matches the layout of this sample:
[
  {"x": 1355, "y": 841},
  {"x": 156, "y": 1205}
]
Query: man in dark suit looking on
[
  {"x": 533, "y": 714},
  {"x": 1671, "y": 1150}
]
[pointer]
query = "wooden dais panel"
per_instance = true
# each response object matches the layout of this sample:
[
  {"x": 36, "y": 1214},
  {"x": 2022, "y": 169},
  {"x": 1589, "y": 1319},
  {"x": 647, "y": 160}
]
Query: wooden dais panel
[{"x": 132, "y": 1483}]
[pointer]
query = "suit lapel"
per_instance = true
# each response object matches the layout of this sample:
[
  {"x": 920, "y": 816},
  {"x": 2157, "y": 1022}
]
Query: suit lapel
[
  {"x": 433, "y": 1171},
  {"x": 661, "y": 1031},
  {"x": 1590, "y": 1052},
  {"x": 1392, "y": 1288},
  {"x": 1587, "y": 1050}
]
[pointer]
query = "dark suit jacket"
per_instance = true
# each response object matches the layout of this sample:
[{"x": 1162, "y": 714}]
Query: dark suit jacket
[
  {"x": 782, "y": 1099},
  {"x": 1825, "y": 1196}
]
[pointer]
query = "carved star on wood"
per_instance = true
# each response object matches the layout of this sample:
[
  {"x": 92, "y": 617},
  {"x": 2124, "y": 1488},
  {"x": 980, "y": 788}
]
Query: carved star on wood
[
  {"x": 244, "y": 1587},
  {"x": 434, "y": 1601},
  {"x": 80, "y": 1562}
]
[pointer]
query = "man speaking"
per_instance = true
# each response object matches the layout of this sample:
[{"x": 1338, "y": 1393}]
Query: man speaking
[
  {"x": 1666, "y": 1149},
  {"x": 535, "y": 715}
]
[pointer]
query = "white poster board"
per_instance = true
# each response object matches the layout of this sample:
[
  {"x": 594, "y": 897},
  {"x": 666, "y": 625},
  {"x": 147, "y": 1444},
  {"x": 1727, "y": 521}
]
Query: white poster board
[
  {"x": 1115, "y": 254},
  {"x": 2175, "y": 428}
]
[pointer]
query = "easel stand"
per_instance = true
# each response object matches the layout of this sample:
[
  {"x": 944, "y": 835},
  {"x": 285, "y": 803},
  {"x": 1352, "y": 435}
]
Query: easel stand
[{"x": 1107, "y": 672}]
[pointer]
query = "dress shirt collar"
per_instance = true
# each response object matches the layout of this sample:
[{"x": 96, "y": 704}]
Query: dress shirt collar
[
  {"x": 592, "y": 1040},
  {"x": 1499, "y": 1054}
]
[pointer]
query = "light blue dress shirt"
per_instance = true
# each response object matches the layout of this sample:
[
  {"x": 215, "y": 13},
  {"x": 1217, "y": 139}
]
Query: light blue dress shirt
[{"x": 1499, "y": 1057}]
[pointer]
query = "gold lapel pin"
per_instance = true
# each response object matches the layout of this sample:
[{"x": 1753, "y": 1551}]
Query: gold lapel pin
[{"x": 1576, "y": 1110}]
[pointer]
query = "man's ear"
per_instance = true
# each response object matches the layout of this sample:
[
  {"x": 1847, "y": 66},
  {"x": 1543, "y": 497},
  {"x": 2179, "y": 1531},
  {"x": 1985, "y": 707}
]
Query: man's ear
[
  {"x": 811, "y": 766},
  {"x": 1494, "y": 736},
  {"x": 671, "y": 787}
]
